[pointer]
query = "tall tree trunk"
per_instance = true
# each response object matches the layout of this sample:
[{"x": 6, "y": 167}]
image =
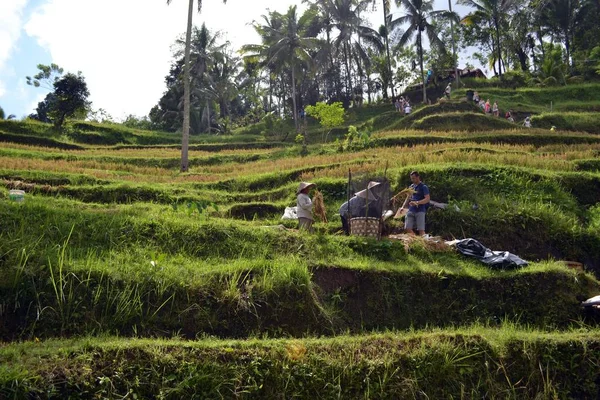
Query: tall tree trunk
[
  {"x": 454, "y": 59},
  {"x": 422, "y": 71},
  {"x": 387, "y": 49},
  {"x": 348, "y": 76},
  {"x": 568, "y": 48},
  {"x": 283, "y": 98},
  {"x": 496, "y": 24},
  {"x": 270, "y": 92},
  {"x": 208, "y": 116},
  {"x": 522, "y": 59},
  {"x": 295, "y": 110},
  {"x": 185, "y": 139}
]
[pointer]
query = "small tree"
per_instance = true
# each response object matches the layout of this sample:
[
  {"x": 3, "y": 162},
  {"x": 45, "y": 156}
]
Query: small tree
[
  {"x": 71, "y": 95},
  {"x": 329, "y": 115}
]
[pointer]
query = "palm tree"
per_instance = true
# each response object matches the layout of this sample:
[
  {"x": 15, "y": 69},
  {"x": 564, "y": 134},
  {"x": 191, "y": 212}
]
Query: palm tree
[
  {"x": 560, "y": 16},
  {"x": 204, "y": 54},
  {"x": 287, "y": 44},
  {"x": 384, "y": 31},
  {"x": 345, "y": 15},
  {"x": 417, "y": 16},
  {"x": 493, "y": 11},
  {"x": 186, "y": 86},
  {"x": 259, "y": 53}
]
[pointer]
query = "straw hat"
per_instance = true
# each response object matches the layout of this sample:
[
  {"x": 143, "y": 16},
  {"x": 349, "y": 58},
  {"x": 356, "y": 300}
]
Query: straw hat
[
  {"x": 304, "y": 185},
  {"x": 372, "y": 184}
]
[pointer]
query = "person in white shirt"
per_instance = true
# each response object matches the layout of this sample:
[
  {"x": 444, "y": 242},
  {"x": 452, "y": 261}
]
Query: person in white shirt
[
  {"x": 304, "y": 206},
  {"x": 407, "y": 109}
]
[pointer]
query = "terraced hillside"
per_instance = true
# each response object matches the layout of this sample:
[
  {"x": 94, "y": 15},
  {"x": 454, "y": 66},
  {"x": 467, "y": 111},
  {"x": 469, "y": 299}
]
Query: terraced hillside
[{"x": 121, "y": 277}]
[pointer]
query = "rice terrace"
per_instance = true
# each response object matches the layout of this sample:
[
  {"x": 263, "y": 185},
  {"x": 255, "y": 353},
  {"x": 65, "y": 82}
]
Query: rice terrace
[{"x": 332, "y": 210}]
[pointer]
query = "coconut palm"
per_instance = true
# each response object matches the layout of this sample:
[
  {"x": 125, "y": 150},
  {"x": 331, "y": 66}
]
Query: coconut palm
[
  {"x": 186, "y": 85},
  {"x": 560, "y": 16},
  {"x": 353, "y": 35},
  {"x": 287, "y": 43},
  {"x": 418, "y": 14},
  {"x": 259, "y": 53},
  {"x": 495, "y": 13}
]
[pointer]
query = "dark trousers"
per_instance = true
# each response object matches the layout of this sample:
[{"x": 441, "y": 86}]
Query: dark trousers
[{"x": 345, "y": 226}]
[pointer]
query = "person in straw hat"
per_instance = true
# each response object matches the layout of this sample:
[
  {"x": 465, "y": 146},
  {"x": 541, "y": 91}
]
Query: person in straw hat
[
  {"x": 304, "y": 206},
  {"x": 356, "y": 206}
]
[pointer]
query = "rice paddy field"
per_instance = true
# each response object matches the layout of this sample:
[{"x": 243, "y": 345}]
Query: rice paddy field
[{"x": 121, "y": 277}]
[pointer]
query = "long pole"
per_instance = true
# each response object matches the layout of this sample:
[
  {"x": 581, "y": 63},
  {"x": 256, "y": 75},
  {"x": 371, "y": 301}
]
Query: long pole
[
  {"x": 348, "y": 216},
  {"x": 453, "y": 45}
]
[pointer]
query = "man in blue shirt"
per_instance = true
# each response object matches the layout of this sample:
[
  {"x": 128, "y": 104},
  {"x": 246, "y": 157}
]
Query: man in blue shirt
[{"x": 417, "y": 205}]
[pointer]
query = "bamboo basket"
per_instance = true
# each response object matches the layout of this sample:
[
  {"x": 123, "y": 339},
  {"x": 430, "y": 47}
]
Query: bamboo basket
[{"x": 366, "y": 226}]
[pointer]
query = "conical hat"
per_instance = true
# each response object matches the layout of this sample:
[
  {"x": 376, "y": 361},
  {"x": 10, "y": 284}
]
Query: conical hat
[
  {"x": 363, "y": 194},
  {"x": 304, "y": 185},
  {"x": 372, "y": 184}
]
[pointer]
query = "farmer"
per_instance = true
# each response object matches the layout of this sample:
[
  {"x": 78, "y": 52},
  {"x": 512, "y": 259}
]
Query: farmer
[
  {"x": 407, "y": 108},
  {"x": 304, "y": 206},
  {"x": 527, "y": 122},
  {"x": 355, "y": 207},
  {"x": 495, "y": 109},
  {"x": 476, "y": 97},
  {"x": 448, "y": 90},
  {"x": 417, "y": 205}
]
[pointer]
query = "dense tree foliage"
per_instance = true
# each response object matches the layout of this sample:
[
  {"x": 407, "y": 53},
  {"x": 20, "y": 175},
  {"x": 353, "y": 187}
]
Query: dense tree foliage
[
  {"x": 329, "y": 54},
  {"x": 68, "y": 98}
]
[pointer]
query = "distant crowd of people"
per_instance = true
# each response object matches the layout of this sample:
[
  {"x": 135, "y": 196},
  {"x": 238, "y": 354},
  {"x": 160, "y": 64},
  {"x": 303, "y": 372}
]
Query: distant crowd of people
[
  {"x": 493, "y": 109},
  {"x": 403, "y": 105}
]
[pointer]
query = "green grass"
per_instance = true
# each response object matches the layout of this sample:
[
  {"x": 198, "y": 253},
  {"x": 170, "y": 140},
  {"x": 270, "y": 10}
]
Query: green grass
[
  {"x": 72, "y": 268},
  {"x": 568, "y": 121},
  {"x": 537, "y": 100},
  {"x": 113, "y": 240},
  {"x": 475, "y": 362}
]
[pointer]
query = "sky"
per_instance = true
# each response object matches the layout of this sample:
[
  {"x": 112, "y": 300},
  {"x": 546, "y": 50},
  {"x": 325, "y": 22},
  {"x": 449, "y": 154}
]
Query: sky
[{"x": 122, "y": 47}]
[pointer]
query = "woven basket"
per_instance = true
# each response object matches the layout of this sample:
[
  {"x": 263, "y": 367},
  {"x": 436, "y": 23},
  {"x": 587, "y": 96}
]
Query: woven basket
[{"x": 368, "y": 227}]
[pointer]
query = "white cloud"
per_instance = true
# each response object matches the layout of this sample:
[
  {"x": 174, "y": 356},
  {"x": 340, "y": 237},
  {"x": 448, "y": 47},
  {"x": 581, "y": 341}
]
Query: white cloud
[
  {"x": 10, "y": 30},
  {"x": 123, "y": 47},
  {"x": 10, "y": 27},
  {"x": 30, "y": 108}
]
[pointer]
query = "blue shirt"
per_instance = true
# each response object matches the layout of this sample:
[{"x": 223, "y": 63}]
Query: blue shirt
[{"x": 421, "y": 191}]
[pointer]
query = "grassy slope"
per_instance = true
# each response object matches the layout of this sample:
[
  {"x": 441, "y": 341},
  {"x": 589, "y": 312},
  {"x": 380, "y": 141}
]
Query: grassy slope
[
  {"x": 472, "y": 363},
  {"x": 112, "y": 239}
]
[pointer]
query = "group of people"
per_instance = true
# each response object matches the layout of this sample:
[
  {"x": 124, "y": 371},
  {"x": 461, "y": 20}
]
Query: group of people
[
  {"x": 364, "y": 203},
  {"x": 487, "y": 108},
  {"x": 403, "y": 105}
]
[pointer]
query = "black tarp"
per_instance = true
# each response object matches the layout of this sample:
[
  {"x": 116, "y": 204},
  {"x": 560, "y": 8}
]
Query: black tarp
[{"x": 494, "y": 259}]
